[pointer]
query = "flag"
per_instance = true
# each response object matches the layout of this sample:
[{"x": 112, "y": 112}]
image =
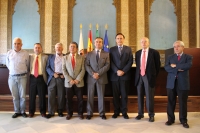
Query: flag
[
  {"x": 106, "y": 45},
  {"x": 81, "y": 46},
  {"x": 90, "y": 46},
  {"x": 97, "y": 33}
]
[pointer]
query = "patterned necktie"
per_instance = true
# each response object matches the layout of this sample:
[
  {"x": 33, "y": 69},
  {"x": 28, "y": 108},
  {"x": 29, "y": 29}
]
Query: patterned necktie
[
  {"x": 179, "y": 57},
  {"x": 97, "y": 55},
  {"x": 73, "y": 61},
  {"x": 36, "y": 67},
  {"x": 142, "y": 72},
  {"x": 120, "y": 50}
]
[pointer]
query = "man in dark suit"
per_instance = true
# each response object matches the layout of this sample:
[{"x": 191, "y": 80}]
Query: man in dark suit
[
  {"x": 38, "y": 80},
  {"x": 55, "y": 82},
  {"x": 147, "y": 69},
  {"x": 177, "y": 66},
  {"x": 97, "y": 64},
  {"x": 121, "y": 58},
  {"x": 73, "y": 71}
]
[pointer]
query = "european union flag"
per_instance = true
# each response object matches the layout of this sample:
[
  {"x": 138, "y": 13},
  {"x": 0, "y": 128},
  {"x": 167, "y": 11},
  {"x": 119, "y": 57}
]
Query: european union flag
[{"x": 106, "y": 45}]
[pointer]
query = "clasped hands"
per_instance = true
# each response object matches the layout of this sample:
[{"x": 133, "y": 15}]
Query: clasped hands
[
  {"x": 120, "y": 73},
  {"x": 56, "y": 75},
  {"x": 72, "y": 82},
  {"x": 174, "y": 65},
  {"x": 95, "y": 75}
]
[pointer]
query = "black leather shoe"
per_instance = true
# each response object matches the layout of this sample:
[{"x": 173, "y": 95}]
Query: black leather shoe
[
  {"x": 68, "y": 117},
  {"x": 151, "y": 119},
  {"x": 168, "y": 123},
  {"x": 139, "y": 117},
  {"x": 24, "y": 115},
  {"x": 16, "y": 115},
  {"x": 81, "y": 117},
  {"x": 88, "y": 117},
  {"x": 125, "y": 116},
  {"x": 49, "y": 116},
  {"x": 115, "y": 115},
  {"x": 60, "y": 114},
  {"x": 185, "y": 125},
  {"x": 103, "y": 117}
]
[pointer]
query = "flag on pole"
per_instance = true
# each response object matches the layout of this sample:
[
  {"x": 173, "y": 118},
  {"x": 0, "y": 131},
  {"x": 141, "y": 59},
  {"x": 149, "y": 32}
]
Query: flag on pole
[
  {"x": 81, "y": 46},
  {"x": 106, "y": 44},
  {"x": 90, "y": 46},
  {"x": 97, "y": 30}
]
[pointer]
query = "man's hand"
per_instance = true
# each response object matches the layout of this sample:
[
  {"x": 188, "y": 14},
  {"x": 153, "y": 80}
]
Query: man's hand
[
  {"x": 62, "y": 76},
  {"x": 76, "y": 81},
  {"x": 173, "y": 65},
  {"x": 120, "y": 73},
  {"x": 55, "y": 75},
  {"x": 72, "y": 82},
  {"x": 95, "y": 75}
]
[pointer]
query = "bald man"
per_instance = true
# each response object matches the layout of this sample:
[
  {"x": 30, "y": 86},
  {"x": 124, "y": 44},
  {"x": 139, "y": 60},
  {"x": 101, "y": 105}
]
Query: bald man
[
  {"x": 17, "y": 61},
  {"x": 147, "y": 69}
]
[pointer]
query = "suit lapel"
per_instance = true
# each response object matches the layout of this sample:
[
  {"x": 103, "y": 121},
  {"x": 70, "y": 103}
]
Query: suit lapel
[
  {"x": 53, "y": 60},
  {"x": 76, "y": 63},
  {"x": 149, "y": 56},
  {"x": 69, "y": 60}
]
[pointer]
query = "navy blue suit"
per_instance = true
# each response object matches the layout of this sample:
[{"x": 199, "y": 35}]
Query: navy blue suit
[
  {"x": 120, "y": 84},
  {"x": 178, "y": 85},
  {"x": 55, "y": 87}
]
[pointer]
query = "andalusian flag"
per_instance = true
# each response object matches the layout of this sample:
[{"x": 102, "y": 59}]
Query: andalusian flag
[
  {"x": 81, "y": 46},
  {"x": 90, "y": 46},
  {"x": 97, "y": 30},
  {"x": 106, "y": 44}
]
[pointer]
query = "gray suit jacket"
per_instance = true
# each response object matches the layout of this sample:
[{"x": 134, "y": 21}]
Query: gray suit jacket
[
  {"x": 101, "y": 67},
  {"x": 43, "y": 62},
  {"x": 76, "y": 74}
]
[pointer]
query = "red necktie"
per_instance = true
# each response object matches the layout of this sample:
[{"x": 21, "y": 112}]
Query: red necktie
[
  {"x": 142, "y": 72},
  {"x": 73, "y": 61},
  {"x": 36, "y": 67},
  {"x": 179, "y": 57}
]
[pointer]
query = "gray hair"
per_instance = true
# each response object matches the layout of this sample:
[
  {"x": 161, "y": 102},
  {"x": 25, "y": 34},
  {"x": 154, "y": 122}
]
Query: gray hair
[
  {"x": 59, "y": 44},
  {"x": 180, "y": 42},
  {"x": 17, "y": 38}
]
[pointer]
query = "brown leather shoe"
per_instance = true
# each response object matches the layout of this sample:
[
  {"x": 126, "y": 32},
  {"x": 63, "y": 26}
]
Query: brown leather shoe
[
  {"x": 30, "y": 115},
  {"x": 68, "y": 117},
  {"x": 81, "y": 117},
  {"x": 43, "y": 115}
]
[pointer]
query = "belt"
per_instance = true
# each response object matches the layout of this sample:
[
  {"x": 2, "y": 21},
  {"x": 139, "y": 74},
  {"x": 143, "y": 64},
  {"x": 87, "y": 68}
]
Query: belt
[
  {"x": 60, "y": 74},
  {"x": 22, "y": 74}
]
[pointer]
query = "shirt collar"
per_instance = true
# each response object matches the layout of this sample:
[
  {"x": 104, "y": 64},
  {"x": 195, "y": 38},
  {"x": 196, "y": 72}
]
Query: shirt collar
[
  {"x": 180, "y": 54},
  {"x": 98, "y": 49},
  {"x": 71, "y": 54},
  {"x": 120, "y": 46},
  {"x": 147, "y": 49},
  {"x": 59, "y": 55}
]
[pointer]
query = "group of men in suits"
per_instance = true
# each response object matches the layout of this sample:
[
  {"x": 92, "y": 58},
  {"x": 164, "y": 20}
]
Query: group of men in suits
[{"x": 66, "y": 73}]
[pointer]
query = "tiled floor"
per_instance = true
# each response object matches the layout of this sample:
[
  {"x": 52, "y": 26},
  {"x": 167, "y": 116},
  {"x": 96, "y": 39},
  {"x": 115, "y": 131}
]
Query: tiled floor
[{"x": 56, "y": 124}]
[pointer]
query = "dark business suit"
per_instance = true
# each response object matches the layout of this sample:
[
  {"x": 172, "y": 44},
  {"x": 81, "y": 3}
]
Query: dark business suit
[
  {"x": 147, "y": 81},
  {"x": 120, "y": 84},
  {"x": 55, "y": 86},
  {"x": 178, "y": 85},
  {"x": 101, "y": 67},
  {"x": 38, "y": 86}
]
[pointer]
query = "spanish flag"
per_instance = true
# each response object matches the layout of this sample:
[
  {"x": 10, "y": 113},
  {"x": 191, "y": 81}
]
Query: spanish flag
[{"x": 90, "y": 46}]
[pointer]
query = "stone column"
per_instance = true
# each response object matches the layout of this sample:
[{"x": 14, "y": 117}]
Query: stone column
[
  {"x": 125, "y": 20},
  {"x": 140, "y": 22},
  {"x": 48, "y": 26},
  {"x": 64, "y": 23},
  {"x": 185, "y": 22},
  {"x": 3, "y": 26},
  {"x": 198, "y": 22}
]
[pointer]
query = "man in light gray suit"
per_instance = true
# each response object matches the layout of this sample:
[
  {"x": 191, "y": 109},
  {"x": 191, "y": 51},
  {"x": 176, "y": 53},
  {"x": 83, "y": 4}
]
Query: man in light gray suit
[
  {"x": 73, "y": 71},
  {"x": 97, "y": 64},
  {"x": 38, "y": 80}
]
